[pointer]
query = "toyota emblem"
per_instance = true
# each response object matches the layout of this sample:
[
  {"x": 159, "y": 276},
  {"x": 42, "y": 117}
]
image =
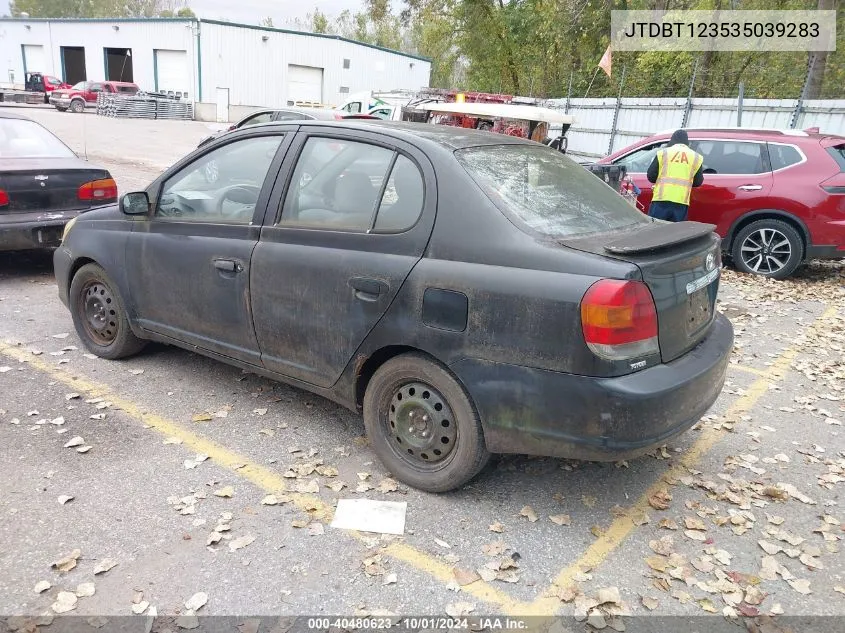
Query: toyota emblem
[{"x": 710, "y": 262}]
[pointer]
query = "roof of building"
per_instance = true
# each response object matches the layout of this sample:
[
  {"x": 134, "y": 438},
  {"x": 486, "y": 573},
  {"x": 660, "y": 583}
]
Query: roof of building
[{"x": 224, "y": 23}]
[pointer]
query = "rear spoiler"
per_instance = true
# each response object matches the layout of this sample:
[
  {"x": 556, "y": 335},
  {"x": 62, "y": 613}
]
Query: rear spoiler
[
  {"x": 832, "y": 141},
  {"x": 659, "y": 236}
]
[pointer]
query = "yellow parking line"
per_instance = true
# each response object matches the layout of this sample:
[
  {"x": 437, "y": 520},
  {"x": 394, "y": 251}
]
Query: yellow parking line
[
  {"x": 623, "y": 526},
  {"x": 243, "y": 467}
]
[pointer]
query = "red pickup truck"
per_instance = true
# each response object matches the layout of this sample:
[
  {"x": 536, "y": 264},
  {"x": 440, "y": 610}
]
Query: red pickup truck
[{"x": 85, "y": 94}]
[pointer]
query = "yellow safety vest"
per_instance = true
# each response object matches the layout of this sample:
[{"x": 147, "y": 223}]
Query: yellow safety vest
[{"x": 677, "y": 165}]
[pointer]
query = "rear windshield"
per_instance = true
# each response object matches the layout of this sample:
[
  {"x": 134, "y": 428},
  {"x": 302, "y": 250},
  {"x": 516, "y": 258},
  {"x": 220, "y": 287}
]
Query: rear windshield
[
  {"x": 546, "y": 192},
  {"x": 838, "y": 154},
  {"x": 26, "y": 139}
]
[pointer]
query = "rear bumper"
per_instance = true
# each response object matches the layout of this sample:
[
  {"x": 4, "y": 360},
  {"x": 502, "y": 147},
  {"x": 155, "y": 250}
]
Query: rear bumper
[
  {"x": 831, "y": 238},
  {"x": 540, "y": 412},
  {"x": 25, "y": 231}
]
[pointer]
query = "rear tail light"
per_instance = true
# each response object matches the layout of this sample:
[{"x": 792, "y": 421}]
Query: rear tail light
[
  {"x": 619, "y": 320},
  {"x": 105, "y": 189},
  {"x": 4, "y": 198}
]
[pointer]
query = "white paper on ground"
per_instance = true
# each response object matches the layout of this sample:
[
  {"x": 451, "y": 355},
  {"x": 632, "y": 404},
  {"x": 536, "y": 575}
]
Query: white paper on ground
[{"x": 368, "y": 515}]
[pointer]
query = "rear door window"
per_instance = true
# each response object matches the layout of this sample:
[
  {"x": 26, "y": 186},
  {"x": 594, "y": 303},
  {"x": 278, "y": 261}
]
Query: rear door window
[
  {"x": 783, "y": 156},
  {"x": 546, "y": 192},
  {"x": 336, "y": 185},
  {"x": 838, "y": 154},
  {"x": 731, "y": 157}
]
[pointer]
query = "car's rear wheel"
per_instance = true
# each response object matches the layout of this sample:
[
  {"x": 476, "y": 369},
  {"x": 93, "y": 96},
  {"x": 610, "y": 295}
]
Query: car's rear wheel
[
  {"x": 77, "y": 106},
  {"x": 772, "y": 248},
  {"x": 423, "y": 425},
  {"x": 99, "y": 315}
]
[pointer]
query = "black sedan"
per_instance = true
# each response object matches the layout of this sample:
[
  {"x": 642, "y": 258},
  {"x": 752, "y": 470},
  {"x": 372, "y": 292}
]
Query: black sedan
[
  {"x": 470, "y": 293},
  {"x": 43, "y": 184}
]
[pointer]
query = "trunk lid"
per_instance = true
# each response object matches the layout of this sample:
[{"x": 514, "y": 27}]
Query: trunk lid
[
  {"x": 680, "y": 263},
  {"x": 48, "y": 185}
]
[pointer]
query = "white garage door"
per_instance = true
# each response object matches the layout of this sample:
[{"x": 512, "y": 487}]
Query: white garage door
[
  {"x": 33, "y": 59},
  {"x": 172, "y": 71},
  {"x": 305, "y": 83}
]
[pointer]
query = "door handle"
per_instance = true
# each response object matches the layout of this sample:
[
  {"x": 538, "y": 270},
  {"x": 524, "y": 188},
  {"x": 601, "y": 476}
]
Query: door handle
[
  {"x": 368, "y": 289},
  {"x": 229, "y": 265},
  {"x": 750, "y": 187}
]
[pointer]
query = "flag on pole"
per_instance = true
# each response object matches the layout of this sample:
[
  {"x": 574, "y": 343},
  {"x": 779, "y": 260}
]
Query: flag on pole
[{"x": 605, "y": 62}]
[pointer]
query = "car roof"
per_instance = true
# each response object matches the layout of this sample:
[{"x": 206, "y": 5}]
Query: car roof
[
  {"x": 759, "y": 132},
  {"x": 444, "y": 135}
]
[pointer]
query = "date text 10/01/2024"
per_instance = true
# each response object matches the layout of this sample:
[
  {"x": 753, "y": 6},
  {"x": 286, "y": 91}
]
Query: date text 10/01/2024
[{"x": 418, "y": 623}]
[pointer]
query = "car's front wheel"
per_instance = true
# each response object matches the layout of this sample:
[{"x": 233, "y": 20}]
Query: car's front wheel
[
  {"x": 99, "y": 315},
  {"x": 423, "y": 425},
  {"x": 77, "y": 106},
  {"x": 772, "y": 248}
]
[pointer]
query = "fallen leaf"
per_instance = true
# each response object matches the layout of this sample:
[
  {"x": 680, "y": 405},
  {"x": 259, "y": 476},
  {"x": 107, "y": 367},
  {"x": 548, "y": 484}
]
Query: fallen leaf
[
  {"x": 41, "y": 586},
  {"x": 693, "y": 523},
  {"x": 707, "y": 605},
  {"x": 465, "y": 576},
  {"x": 442, "y": 544},
  {"x": 660, "y": 500},
  {"x": 261, "y": 411},
  {"x": 496, "y": 548},
  {"x": 136, "y": 372},
  {"x": 201, "y": 417},
  {"x": 363, "y": 476},
  {"x": 839, "y": 589},
  {"x": 668, "y": 524},
  {"x": 695, "y": 535},
  {"x": 609, "y": 595},
  {"x": 74, "y": 441},
  {"x": 528, "y": 513},
  {"x": 770, "y": 548},
  {"x": 387, "y": 485},
  {"x": 85, "y": 590},
  {"x": 487, "y": 574},
  {"x": 307, "y": 487},
  {"x": 336, "y": 486},
  {"x": 139, "y": 607},
  {"x": 657, "y": 563},
  {"x": 664, "y": 546},
  {"x": 196, "y": 602},
  {"x": 65, "y": 601},
  {"x": 497, "y": 527},
  {"x": 274, "y": 500},
  {"x": 649, "y": 603},
  {"x": 104, "y": 565},
  {"x": 63, "y": 499},
  {"x": 58, "y": 421},
  {"x": 801, "y": 586},
  {"x": 84, "y": 449},
  {"x": 753, "y": 595},
  {"x": 389, "y": 579},
  {"x": 774, "y": 520},
  {"x": 226, "y": 491},
  {"x": 459, "y": 609},
  {"x": 811, "y": 561},
  {"x": 560, "y": 519},
  {"x": 240, "y": 543},
  {"x": 299, "y": 523},
  {"x": 102, "y": 416},
  {"x": 681, "y": 596},
  {"x": 568, "y": 594},
  {"x": 68, "y": 562}
]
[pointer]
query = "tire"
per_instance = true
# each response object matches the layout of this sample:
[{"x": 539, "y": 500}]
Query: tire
[
  {"x": 771, "y": 248},
  {"x": 99, "y": 315},
  {"x": 417, "y": 454},
  {"x": 77, "y": 106}
]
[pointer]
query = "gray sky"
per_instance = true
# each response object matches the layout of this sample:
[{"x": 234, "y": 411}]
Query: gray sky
[{"x": 252, "y": 11}]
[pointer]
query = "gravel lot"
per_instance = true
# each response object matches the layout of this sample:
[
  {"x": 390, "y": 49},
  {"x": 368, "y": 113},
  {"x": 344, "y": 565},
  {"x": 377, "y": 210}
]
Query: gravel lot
[{"x": 742, "y": 516}]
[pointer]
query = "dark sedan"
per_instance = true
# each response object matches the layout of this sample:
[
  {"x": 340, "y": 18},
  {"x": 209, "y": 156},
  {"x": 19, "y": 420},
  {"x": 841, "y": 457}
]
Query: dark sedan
[
  {"x": 43, "y": 184},
  {"x": 470, "y": 293}
]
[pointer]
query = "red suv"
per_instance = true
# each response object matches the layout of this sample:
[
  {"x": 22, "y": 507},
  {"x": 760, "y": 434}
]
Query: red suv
[
  {"x": 85, "y": 94},
  {"x": 777, "y": 197}
]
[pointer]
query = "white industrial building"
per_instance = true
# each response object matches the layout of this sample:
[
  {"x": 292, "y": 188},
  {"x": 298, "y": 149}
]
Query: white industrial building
[{"x": 226, "y": 69}]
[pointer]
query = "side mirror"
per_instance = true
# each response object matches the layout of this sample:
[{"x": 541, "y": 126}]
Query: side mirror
[{"x": 135, "y": 203}]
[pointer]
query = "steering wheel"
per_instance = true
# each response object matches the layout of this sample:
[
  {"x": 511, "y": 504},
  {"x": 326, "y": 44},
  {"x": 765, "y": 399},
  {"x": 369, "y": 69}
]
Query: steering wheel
[{"x": 244, "y": 196}]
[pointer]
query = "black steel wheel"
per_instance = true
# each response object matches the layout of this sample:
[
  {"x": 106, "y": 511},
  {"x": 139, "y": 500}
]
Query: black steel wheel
[
  {"x": 99, "y": 315},
  {"x": 772, "y": 248},
  {"x": 423, "y": 425}
]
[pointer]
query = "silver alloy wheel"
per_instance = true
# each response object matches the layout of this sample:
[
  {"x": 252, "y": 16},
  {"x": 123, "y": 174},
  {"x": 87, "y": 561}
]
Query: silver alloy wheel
[{"x": 766, "y": 251}]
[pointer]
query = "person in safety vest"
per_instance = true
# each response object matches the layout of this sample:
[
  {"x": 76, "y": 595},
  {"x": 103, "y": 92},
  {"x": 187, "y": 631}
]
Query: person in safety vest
[{"x": 675, "y": 170}]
